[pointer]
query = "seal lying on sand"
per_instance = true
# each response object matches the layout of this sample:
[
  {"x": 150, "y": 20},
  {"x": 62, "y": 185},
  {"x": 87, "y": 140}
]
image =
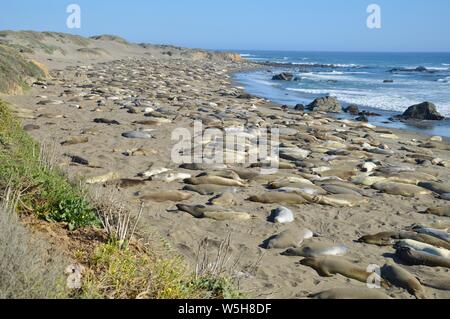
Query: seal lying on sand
[
  {"x": 416, "y": 258},
  {"x": 438, "y": 211},
  {"x": 167, "y": 196},
  {"x": 421, "y": 247},
  {"x": 103, "y": 178},
  {"x": 287, "y": 239},
  {"x": 209, "y": 190},
  {"x": 436, "y": 187},
  {"x": 401, "y": 278},
  {"x": 330, "y": 266},
  {"x": 339, "y": 200},
  {"x": 351, "y": 293},
  {"x": 317, "y": 250},
  {"x": 216, "y": 213},
  {"x": 278, "y": 198},
  {"x": 214, "y": 180},
  {"x": 399, "y": 189},
  {"x": 441, "y": 234},
  {"x": 426, "y": 239},
  {"x": 225, "y": 199},
  {"x": 380, "y": 239}
]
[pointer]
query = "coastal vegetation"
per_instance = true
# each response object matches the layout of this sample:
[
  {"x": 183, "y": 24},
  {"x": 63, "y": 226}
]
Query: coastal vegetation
[{"x": 116, "y": 262}]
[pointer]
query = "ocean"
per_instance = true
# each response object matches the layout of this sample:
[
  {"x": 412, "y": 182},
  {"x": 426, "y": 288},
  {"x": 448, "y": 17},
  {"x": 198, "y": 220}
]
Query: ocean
[{"x": 384, "y": 83}]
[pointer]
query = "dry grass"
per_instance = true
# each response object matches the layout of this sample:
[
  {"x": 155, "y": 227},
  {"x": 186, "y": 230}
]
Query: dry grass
[{"x": 29, "y": 268}]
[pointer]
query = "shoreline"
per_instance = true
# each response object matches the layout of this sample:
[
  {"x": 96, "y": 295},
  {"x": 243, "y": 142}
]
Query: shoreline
[
  {"x": 182, "y": 90},
  {"x": 433, "y": 128}
]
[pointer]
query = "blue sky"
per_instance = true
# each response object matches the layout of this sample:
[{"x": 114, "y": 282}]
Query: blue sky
[{"x": 321, "y": 25}]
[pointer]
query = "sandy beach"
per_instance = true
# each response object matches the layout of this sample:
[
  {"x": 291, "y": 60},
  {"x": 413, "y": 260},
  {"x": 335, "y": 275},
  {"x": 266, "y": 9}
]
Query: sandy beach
[{"x": 353, "y": 180}]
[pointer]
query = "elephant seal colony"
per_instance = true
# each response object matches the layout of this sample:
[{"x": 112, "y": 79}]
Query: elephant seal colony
[{"x": 347, "y": 195}]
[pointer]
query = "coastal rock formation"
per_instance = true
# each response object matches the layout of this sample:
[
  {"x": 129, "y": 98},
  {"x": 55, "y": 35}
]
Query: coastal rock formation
[
  {"x": 283, "y": 77},
  {"x": 422, "y": 111},
  {"x": 325, "y": 104}
]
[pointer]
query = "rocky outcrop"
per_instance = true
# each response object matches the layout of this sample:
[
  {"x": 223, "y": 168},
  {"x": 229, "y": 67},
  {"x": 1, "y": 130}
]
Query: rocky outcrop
[
  {"x": 325, "y": 104},
  {"x": 422, "y": 111},
  {"x": 283, "y": 77},
  {"x": 352, "y": 109}
]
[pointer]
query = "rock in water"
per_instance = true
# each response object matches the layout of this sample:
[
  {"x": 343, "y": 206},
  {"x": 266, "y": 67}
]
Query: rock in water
[
  {"x": 423, "y": 111},
  {"x": 352, "y": 109},
  {"x": 326, "y": 104},
  {"x": 282, "y": 215},
  {"x": 283, "y": 77}
]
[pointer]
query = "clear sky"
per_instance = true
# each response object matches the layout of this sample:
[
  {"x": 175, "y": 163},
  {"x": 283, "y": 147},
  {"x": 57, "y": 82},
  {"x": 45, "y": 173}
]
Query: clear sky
[{"x": 320, "y": 25}]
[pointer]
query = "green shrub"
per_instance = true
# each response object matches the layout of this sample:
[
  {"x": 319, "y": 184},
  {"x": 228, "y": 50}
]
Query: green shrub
[{"x": 47, "y": 193}]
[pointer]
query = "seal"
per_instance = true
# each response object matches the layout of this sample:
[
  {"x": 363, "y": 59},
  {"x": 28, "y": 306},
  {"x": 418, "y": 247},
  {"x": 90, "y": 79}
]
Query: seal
[
  {"x": 317, "y": 250},
  {"x": 209, "y": 190},
  {"x": 441, "y": 234},
  {"x": 103, "y": 178},
  {"x": 416, "y": 258},
  {"x": 380, "y": 239},
  {"x": 282, "y": 215},
  {"x": 418, "y": 246},
  {"x": 127, "y": 183},
  {"x": 288, "y": 239},
  {"x": 424, "y": 238},
  {"x": 278, "y": 198},
  {"x": 224, "y": 174},
  {"x": 330, "y": 266},
  {"x": 399, "y": 277},
  {"x": 405, "y": 190},
  {"x": 339, "y": 200},
  {"x": 225, "y": 199},
  {"x": 170, "y": 177},
  {"x": 75, "y": 140},
  {"x": 215, "y": 213},
  {"x": 438, "y": 283},
  {"x": 214, "y": 180},
  {"x": 166, "y": 196},
  {"x": 350, "y": 293},
  {"x": 438, "y": 211},
  {"x": 436, "y": 187}
]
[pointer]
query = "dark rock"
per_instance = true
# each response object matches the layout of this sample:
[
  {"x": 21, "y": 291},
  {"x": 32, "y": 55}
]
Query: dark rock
[
  {"x": 362, "y": 118},
  {"x": 299, "y": 107},
  {"x": 244, "y": 96},
  {"x": 388, "y": 81},
  {"x": 325, "y": 104},
  {"x": 352, "y": 109},
  {"x": 421, "y": 69},
  {"x": 283, "y": 77},
  {"x": 423, "y": 111}
]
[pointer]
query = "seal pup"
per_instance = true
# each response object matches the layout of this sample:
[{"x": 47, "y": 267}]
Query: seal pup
[
  {"x": 228, "y": 174},
  {"x": 282, "y": 215},
  {"x": 350, "y": 293},
  {"x": 317, "y": 250},
  {"x": 215, "y": 213},
  {"x": 288, "y": 239},
  {"x": 166, "y": 196},
  {"x": 416, "y": 258},
  {"x": 278, "y": 198},
  {"x": 415, "y": 245},
  {"x": 214, "y": 180},
  {"x": 438, "y": 211},
  {"x": 75, "y": 140},
  {"x": 330, "y": 266},
  {"x": 399, "y": 277}
]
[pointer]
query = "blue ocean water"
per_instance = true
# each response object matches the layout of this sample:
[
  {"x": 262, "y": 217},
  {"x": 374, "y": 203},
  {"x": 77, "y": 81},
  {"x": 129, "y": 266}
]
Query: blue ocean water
[{"x": 357, "y": 78}]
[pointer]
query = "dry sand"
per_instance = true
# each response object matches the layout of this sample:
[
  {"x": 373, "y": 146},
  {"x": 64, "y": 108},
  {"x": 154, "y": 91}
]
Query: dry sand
[{"x": 189, "y": 87}]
